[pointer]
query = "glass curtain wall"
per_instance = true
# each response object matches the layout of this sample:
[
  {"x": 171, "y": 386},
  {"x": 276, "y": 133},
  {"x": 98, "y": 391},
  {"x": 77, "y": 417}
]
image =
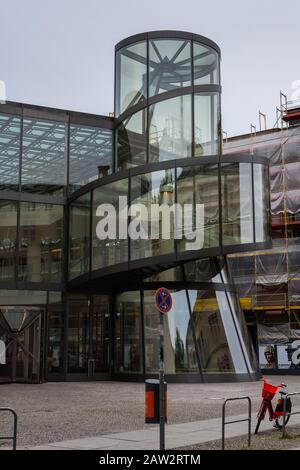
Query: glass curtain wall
[
  {"x": 56, "y": 331},
  {"x": 44, "y": 158},
  {"x": 41, "y": 242},
  {"x": 90, "y": 155},
  {"x": 10, "y": 127},
  {"x": 158, "y": 237},
  {"x": 198, "y": 193},
  {"x": 131, "y": 76},
  {"x": 8, "y": 239},
  {"x": 128, "y": 337},
  {"x": 131, "y": 141},
  {"x": 237, "y": 203},
  {"x": 79, "y": 236},
  {"x": 108, "y": 217},
  {"x": 203, "y": 334}
]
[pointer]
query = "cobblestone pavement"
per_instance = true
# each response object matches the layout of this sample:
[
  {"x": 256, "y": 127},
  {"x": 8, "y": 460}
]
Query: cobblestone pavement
[{"x": 53, "y": 412}]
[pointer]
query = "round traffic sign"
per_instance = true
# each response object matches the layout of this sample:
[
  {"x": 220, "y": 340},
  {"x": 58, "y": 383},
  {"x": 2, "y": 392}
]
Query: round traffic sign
[{"x": 163, "y": 300}]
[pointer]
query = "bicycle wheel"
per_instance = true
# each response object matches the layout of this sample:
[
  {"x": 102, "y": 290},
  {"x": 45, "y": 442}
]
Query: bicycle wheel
[
  {"x": 280, "y": 419},
  {"x": 260, "y": 417}
]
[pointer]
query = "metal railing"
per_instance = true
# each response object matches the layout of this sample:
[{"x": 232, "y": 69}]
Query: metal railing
[
  {"x": 237, "y": 420},
  {"x": 284, "y": 410},
  {"x": 14, "y": 437}
]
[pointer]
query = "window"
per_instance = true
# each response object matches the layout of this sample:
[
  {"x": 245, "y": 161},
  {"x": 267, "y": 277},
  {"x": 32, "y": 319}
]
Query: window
[
  {"x": 9, "y": 152},
  {"x": 40, "y": 243},
  {"x": 44, "y": 167},
  {"x": 90, "y": 155}
]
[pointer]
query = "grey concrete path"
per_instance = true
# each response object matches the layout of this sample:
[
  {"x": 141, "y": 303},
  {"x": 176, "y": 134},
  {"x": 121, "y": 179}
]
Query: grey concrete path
[{"x": 177, "y": 435}]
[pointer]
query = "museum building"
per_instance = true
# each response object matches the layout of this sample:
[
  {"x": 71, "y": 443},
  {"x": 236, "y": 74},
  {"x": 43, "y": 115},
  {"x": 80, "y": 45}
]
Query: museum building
[{"x": 78, "y": 305}]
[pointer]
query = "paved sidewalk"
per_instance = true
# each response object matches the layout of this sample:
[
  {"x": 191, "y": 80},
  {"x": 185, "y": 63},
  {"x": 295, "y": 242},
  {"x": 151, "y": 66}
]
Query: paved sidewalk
[{"x": 177, "y": 435}]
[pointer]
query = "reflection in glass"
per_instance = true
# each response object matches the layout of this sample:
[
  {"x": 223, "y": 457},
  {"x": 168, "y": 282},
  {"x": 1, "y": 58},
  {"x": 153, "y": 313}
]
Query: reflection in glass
[
  {"x": 55, "y": 336},
  {"x": 199, "y": 185},
  {"x": 179, "y": 348},
  {"x": 90, "y": 155},
  {"x": 8, "y": 236},
  {"x": 115, "y": 250},
  {"x": 206, "y": 124},
  {"x": 237, "y": 210},
  {"x": 9, "y": 152},
  {"x": 78, "y": 334},
  {"x": 128, "y": 345},
  {"x": 132, "y": 140},
  {"x": 261, "y": 203},
  {"x": 206, "y": 65},
  {"x": 210, "y": 333},
  {"x": 101, "y": 332},
  {"x": 131, "y": 76},
  {"x": 40, "y": 243},
  {"x": 44, "y": 167},
  {"x": 202, "y": 270},
  {"x": 170, "y": 130},
  {"x": 154, "y": 188},
  {"x": 79, "y": 236},
  {"x": 170, "y": 65}
]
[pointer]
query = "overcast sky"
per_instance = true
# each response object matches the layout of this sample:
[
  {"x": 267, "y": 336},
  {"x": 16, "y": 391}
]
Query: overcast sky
[{"x": 60, "y": 53}]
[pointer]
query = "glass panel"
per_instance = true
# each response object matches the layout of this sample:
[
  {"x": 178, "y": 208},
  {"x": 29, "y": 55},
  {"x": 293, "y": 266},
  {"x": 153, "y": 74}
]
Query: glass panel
[
  {"x": 179, "y": 347},
  {"x": 111, "y": 249},
  {"x": 78, "y": 335},
  {"x": 9, "y": 152},
  {"x": 237, "y": 211},
  {"x": 90, "y": 155},
  {"x": 170, "y": 130},
  {"x": 211, "y": 336},
  {"x": 128, "y": 347},
  {"x": 170, "y": 65},
  {"x": 8, "y": 236},
  {"x": 198, "y": 195},
  {"x": 261, "y": 203},
  {"x": 172, "y": 274},
  {"x": 201, "y": 270},
  {"x": 156, "y": 238},
  {"x": 132, "y": 140},
  {"x": 206, "y": 65},
  {"x": 206, "y": 124},
  {"x": 44, "y": 158},
  {"x": 79, "y": 242},
  {"x": 101, "y": 332},
  {"x": 131, "y": 76},
  {"x": 23, "y": 297},
  {"x": 56, "y": 315},
  {"x": 40, "y": 244}
]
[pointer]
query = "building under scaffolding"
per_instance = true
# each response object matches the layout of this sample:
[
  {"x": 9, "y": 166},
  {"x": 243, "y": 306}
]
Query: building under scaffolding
[{"x": 269, "y": 281}]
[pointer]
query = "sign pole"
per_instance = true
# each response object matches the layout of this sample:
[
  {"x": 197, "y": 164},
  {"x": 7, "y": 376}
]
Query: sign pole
[
  {"x": 163, "y": 303},
  {"x": 161, "y": 384}
]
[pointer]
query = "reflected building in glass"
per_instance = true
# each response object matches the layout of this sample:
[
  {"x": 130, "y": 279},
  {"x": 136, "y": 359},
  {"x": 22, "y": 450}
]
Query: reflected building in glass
[{"x": 78, "y": 306}]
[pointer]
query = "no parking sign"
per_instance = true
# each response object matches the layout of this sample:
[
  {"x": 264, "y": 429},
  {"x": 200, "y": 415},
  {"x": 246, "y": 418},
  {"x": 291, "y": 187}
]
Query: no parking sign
[{"x": 163, "y": 300}]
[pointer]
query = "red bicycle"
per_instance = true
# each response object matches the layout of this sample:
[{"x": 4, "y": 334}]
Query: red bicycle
[{"x": 268, "y": 393}]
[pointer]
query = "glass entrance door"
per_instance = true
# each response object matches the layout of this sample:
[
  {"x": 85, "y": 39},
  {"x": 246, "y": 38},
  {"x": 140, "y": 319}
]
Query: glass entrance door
[{"x": 20, "y": 332}]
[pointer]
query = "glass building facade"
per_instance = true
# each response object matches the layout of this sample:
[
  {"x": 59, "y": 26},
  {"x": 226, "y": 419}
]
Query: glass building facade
[{"x": 97, "y": 213}]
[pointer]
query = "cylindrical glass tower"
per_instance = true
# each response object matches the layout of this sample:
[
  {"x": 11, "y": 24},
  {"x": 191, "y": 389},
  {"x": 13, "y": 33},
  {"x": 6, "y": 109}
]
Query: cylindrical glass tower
[{"x": 167, "y": 98}]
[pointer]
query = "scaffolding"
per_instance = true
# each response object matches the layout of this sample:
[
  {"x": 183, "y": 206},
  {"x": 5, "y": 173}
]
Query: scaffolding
[{"x": 268, "y": 281}]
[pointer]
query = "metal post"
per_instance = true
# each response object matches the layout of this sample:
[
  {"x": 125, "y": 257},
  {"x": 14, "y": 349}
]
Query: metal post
[
  {"x": 161, "y": 385},
  {"x": 249, "y": 422},
  {"x": 284, "y": 410},
  {"x": 237, "y": 420}
]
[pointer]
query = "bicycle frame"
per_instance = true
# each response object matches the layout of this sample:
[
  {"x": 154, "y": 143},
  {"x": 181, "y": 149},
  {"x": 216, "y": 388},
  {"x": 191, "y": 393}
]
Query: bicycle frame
[{"x": 273, "y": 414}]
